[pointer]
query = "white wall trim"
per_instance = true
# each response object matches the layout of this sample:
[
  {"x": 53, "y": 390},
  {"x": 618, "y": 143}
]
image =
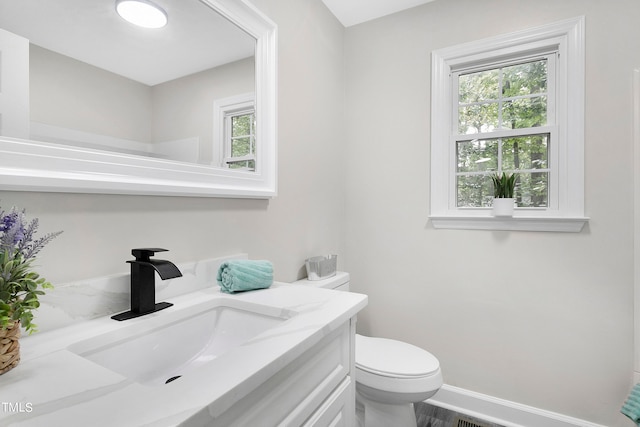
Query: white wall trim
[
  {"x": 636, "y": 221},
  {"x": 500, "y": 411}
]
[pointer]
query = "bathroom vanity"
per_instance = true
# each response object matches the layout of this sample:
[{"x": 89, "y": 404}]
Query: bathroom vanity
[{"x": 279, "y": 356}]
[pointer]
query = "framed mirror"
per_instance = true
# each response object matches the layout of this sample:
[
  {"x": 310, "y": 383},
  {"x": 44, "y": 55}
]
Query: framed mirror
[{"x": 98, "y": 105}]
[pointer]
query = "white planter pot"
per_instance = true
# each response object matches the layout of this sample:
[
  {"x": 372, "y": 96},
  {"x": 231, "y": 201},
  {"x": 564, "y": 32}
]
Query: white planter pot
[{"x": 503, "y": 207}]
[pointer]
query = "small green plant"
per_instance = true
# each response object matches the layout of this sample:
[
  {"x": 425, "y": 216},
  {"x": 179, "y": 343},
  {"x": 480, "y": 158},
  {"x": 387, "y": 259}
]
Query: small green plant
[
  {"x": 503, "y": 185},
  {"x": 20, "y": 286}
]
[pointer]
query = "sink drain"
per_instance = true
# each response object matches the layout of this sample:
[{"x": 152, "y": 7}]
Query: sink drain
[{"x": 172, "y": 379}]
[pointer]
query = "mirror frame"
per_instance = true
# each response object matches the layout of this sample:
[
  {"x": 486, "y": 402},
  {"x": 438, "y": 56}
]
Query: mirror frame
[{"x": 27, "y": 165}]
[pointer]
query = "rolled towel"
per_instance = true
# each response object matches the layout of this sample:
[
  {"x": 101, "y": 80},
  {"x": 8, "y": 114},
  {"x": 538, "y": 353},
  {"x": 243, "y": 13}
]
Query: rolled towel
[
  {"x": 244, "y": 275},
  {"x": 631, "y": 407}
]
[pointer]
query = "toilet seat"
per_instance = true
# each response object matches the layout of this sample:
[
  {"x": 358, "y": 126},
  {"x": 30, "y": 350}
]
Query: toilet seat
[
  {"x": 394, "y": 371},
  {"x": 394, "y": 359}
]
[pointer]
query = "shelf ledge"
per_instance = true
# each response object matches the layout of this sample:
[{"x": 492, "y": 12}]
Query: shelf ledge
[{"x": 515, "y": 223}]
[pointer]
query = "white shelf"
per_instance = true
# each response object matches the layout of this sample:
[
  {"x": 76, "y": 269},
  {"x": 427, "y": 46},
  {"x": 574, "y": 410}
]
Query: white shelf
[{"x": 515, "y": 223}]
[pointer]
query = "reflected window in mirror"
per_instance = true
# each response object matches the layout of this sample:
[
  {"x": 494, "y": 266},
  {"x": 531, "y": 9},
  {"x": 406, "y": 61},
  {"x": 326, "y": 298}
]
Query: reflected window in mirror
[
  {"x": 235, "y": 139},
  {"x": 241, "y": 143}
]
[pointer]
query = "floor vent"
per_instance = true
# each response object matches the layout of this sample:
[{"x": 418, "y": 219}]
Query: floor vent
[{"x": 460, "y": 421}]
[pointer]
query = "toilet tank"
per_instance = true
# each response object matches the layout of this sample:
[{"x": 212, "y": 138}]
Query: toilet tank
[{"x": 339, "y": 282}]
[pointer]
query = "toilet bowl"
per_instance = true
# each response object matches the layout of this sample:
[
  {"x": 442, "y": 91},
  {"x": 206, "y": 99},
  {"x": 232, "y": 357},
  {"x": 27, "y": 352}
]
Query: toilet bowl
[{"x": 390, "y": 375}]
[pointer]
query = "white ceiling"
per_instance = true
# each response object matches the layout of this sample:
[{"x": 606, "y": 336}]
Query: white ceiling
[
  {"x": 352, "y": 12},
  {"x": 195, "y": 39}
]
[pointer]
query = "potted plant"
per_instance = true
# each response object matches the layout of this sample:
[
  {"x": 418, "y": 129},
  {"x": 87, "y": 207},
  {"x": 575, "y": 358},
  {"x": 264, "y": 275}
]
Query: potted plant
[
  {"x": 503, "y": 188},
  {"x": 20, "y": 285}
]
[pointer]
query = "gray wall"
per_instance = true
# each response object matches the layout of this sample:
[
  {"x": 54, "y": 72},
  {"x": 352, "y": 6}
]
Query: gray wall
[
  {"x": 72, "y": 94},
  {"x": 552, "y": 327}
]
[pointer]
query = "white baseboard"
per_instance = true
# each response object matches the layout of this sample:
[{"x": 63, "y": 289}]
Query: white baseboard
[{"x": 500, "y": 411}]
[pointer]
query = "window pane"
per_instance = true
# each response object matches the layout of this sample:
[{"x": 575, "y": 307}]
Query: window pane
[
  {"x": 532, "y": 189},
  {"x": 474, "y": 191},
  {"x": 240, "y": 147},
  {"x": 525, "y": 152},
  {"x": 525, "y": 79},
  {"x": 241, "y": 125},
  {"x": 525, "y": 112},
  {"x": 477, "y": 155},
  {"x": 478, "y": 87},
  {"x": 248, "y": 164},
  {"x": 477, "y": 118}
]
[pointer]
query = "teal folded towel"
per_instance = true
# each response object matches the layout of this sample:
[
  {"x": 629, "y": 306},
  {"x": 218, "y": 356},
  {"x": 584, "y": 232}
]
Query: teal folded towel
[
  {"x": 631, "y": 407},
  {"x": 244, "y": 275}
]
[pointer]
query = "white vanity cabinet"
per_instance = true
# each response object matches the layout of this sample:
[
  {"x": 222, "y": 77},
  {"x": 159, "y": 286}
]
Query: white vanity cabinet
[
  {"x": 298, "y": 372},
  {"x": 316, "y": 389}
]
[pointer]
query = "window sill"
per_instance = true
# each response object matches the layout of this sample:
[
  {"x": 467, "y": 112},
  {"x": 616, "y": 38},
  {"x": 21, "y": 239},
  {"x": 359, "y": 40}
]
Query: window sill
[{"x": 515, "y": 223}]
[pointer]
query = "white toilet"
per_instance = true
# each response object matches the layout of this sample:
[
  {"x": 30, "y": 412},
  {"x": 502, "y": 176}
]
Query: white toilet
[{"x": 390, "y": 375}]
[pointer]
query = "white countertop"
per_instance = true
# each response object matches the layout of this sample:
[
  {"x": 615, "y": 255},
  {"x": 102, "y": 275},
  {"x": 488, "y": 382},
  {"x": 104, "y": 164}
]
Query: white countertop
[{"x": 53, "y": 386}]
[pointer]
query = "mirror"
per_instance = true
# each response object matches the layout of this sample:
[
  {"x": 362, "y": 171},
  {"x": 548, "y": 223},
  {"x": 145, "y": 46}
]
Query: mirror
[{"x": 112, "y": 108}]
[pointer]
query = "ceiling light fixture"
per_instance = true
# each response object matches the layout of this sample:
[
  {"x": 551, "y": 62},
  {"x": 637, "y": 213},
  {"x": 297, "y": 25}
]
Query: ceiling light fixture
[{"x": 142, "y": 13}]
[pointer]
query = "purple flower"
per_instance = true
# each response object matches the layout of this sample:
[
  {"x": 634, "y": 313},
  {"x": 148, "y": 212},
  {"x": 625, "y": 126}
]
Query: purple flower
[
  {"x": 17, "y": 237},
  {"x": 8, "y": 221}
]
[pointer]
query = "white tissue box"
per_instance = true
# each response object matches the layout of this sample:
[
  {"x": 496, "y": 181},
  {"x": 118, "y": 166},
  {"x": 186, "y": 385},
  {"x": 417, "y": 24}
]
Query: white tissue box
[{"x": 321, "y": 267}]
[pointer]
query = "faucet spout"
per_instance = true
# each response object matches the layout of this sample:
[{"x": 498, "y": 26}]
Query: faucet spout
[
  {"x": 165, "y": 269},
  {"x": 143, "y": 290}
]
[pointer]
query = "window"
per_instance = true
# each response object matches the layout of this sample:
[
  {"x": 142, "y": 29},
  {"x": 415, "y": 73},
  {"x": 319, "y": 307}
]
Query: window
[
  {"x": 504, "y": 122},
  {"x": 234, "y": 123},
  {"x": 240, "y": 141},
  {"x": 515, "y": 104}
]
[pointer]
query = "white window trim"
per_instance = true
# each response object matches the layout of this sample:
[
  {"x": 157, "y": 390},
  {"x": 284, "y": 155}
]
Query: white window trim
[
  {"x": 568, "y": 38},
  {"x": 221, "y": 108}
]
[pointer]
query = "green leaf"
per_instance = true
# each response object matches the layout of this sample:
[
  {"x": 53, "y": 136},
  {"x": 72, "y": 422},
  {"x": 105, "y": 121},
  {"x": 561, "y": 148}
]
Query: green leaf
[
  {"x": 503, "y": 185},
  {"x": 30, "y": 284}
]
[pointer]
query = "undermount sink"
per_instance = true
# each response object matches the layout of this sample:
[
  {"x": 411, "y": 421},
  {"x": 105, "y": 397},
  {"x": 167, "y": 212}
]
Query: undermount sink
[{"x": 161, "y": 348}]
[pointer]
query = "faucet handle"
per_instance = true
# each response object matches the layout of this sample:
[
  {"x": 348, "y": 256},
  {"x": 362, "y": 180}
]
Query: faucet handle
[{"x": 143, "y": 254}]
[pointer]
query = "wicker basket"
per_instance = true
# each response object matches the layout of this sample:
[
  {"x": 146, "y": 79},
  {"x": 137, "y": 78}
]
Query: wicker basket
[{"x": 9, "y": 347}]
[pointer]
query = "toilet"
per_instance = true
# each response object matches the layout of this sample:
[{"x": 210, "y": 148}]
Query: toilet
[{"x": 390, "y": 375}]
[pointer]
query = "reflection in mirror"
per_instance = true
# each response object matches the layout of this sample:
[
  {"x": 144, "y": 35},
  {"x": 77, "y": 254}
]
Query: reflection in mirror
[{"x": 83, "y": 76}]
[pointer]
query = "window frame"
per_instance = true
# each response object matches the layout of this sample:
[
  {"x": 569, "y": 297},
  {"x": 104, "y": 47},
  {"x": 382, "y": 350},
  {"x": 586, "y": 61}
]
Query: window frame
[
  {"x": 566, "y": 211},
  {"x": 229, "y": 138},
  {"x": 224, "y": 110}
]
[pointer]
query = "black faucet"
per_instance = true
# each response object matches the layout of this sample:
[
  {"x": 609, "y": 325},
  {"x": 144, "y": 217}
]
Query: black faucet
[{"x": 143, "y": 287}]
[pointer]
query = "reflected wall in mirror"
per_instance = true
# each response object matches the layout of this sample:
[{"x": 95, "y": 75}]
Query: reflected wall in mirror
[
  {"x": 98, "y": 81},
  {"x": 100, "y": 105}
]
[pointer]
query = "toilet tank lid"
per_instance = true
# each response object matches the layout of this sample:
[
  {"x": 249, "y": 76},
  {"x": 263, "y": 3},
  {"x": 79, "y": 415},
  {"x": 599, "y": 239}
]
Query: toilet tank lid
[
  {"x": 339, "y": 279},
  {"x": 391, "y": 358}
]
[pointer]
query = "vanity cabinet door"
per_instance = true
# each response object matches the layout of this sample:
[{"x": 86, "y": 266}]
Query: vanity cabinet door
[
  {"x": 292, "y": 397},
  {"x": 338, "y": 410}
]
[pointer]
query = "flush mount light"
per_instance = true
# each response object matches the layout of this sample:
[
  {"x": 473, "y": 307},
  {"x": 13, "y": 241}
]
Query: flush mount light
[{"x": 142, "y": 13}]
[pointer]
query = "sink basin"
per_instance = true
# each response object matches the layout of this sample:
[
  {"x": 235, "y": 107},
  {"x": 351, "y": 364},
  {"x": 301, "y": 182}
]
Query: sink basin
[{"x": 159, "y": 348}]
